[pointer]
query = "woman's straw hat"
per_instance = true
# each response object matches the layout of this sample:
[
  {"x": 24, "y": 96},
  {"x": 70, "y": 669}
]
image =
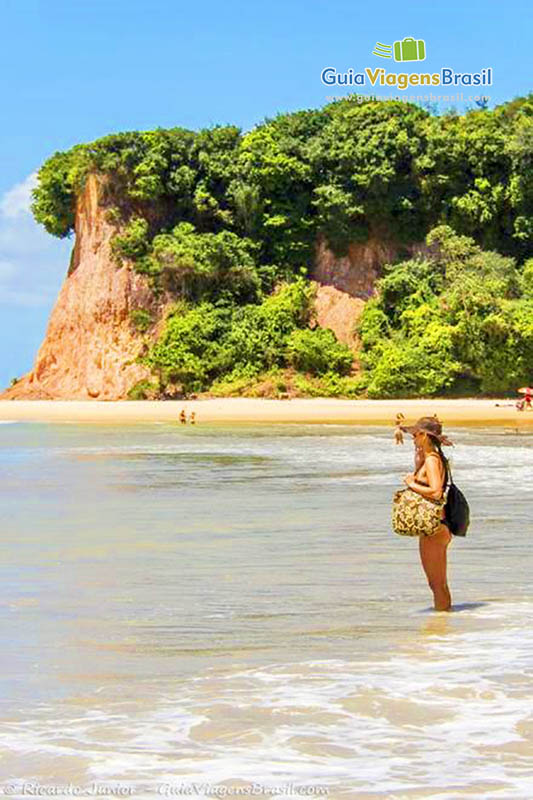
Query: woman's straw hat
[{"x": 429, "y": 425}]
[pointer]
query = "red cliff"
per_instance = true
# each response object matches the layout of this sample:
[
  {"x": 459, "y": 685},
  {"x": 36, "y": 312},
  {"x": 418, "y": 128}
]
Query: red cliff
[{"x": 91, "y": 346}]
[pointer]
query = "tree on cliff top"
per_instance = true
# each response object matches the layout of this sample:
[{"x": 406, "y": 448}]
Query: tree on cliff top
[{"x": 348, "y": 171}]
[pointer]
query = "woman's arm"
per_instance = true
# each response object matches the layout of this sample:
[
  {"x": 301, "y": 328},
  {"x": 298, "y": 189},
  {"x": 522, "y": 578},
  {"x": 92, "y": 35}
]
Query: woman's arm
[{"x": 434, "y": 476}]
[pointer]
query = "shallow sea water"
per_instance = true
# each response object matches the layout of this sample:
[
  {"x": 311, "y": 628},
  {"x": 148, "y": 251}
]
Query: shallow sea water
[{"x": 190, "y": 610}]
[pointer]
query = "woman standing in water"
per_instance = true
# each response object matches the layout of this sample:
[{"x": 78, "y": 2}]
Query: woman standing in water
[{"x": 430, "y": 479}]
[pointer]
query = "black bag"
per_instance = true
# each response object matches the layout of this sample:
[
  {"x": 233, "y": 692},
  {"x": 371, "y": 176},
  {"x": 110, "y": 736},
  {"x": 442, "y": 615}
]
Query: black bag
[{"x": 456, "y": 509}]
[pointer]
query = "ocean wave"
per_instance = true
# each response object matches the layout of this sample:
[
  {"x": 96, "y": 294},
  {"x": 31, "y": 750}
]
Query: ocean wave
[{"x": 447, "y": 716}]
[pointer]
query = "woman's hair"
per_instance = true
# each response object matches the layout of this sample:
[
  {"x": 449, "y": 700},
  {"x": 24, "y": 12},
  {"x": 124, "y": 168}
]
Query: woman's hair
[
  {"x": 420, "y": 458},
  {"x": 444, "y": 460}
]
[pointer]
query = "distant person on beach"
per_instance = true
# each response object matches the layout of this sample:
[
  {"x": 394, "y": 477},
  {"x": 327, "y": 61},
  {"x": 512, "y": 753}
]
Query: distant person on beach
[
  {"x": 398, "y": 433},
  {"x": 525, "y": 402},
  {"x": 192, "y": 418},
  {"x": 430, "y": 479},
  {"x": 183, "y": 417}
]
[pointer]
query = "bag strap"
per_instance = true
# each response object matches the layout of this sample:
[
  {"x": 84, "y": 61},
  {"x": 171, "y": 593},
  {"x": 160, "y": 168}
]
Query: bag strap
[{"x": 450, "y": 474}]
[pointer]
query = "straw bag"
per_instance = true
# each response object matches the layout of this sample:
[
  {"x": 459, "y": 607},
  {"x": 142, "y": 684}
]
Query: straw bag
[{"x": 414, "y": 515}]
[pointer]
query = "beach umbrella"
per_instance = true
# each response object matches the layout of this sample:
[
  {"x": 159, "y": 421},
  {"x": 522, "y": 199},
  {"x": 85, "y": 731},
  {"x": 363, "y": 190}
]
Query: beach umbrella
[{"x": 525, "y": 390}]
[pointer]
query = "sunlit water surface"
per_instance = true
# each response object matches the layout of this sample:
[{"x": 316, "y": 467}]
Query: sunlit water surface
[{"x": 228, "y": 606}]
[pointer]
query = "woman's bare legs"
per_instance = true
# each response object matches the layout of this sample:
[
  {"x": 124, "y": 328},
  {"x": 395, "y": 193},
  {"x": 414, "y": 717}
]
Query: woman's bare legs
[{"x": 433, "y": 556}]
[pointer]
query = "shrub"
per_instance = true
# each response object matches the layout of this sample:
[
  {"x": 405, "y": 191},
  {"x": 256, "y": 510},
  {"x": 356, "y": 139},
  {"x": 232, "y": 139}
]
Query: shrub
[
  {"x": 203, "y": 265},
  {"x": 409, "y": 368},
  {"x": 207, "y": 342},
  {"x": 133, "y": 243},
  {"x": 318, "y": 351},
  {"x": 191, "y": 351},
  {"x": 331, "y": 385},
  {"x": 454, "y": 319},
  {"x": 141, "y": 319},
  {"x": 527, "y": 278},
  {"x": 144, "y": 390}
]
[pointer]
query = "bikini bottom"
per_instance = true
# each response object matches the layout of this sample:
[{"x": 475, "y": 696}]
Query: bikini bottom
[{"x": 446, "y": 522}]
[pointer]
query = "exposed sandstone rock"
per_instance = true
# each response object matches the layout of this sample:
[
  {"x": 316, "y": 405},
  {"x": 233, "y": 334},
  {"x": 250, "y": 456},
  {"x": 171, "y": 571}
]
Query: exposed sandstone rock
[
  {"x": 90, "y": 346},
  {"x": 356, "y": 272},
  {"x": 339, "y": 311}
]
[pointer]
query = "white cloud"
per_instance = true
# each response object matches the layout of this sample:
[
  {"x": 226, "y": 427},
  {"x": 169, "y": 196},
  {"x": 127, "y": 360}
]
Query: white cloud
[
  {"x": 33, "y": 264},
  {"x": 17, "y": 200}
]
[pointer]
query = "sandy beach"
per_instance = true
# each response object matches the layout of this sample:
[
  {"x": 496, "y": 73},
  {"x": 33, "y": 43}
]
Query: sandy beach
[{"x": 250, "y": 410}]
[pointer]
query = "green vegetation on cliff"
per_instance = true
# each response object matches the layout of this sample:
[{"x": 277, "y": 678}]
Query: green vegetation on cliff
[
  {"x": 209, "y": 342},
  {"x": 226, "y": 222},
  {"x": 459, "y": 320},
  {"x": 348, "y": 170}
]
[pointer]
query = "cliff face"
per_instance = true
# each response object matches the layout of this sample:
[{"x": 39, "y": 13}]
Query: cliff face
[
  {"x": 357, "y": 271},
  {"x": 339, "y": 311},
  {"x": 90, "y": 344}
]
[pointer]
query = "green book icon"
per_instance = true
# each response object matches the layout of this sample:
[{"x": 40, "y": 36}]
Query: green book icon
[{"x": 410, "y": 49}]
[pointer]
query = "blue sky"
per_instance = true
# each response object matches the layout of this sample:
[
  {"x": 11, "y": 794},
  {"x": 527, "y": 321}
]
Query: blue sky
[{"x": 71, "y": 72}]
